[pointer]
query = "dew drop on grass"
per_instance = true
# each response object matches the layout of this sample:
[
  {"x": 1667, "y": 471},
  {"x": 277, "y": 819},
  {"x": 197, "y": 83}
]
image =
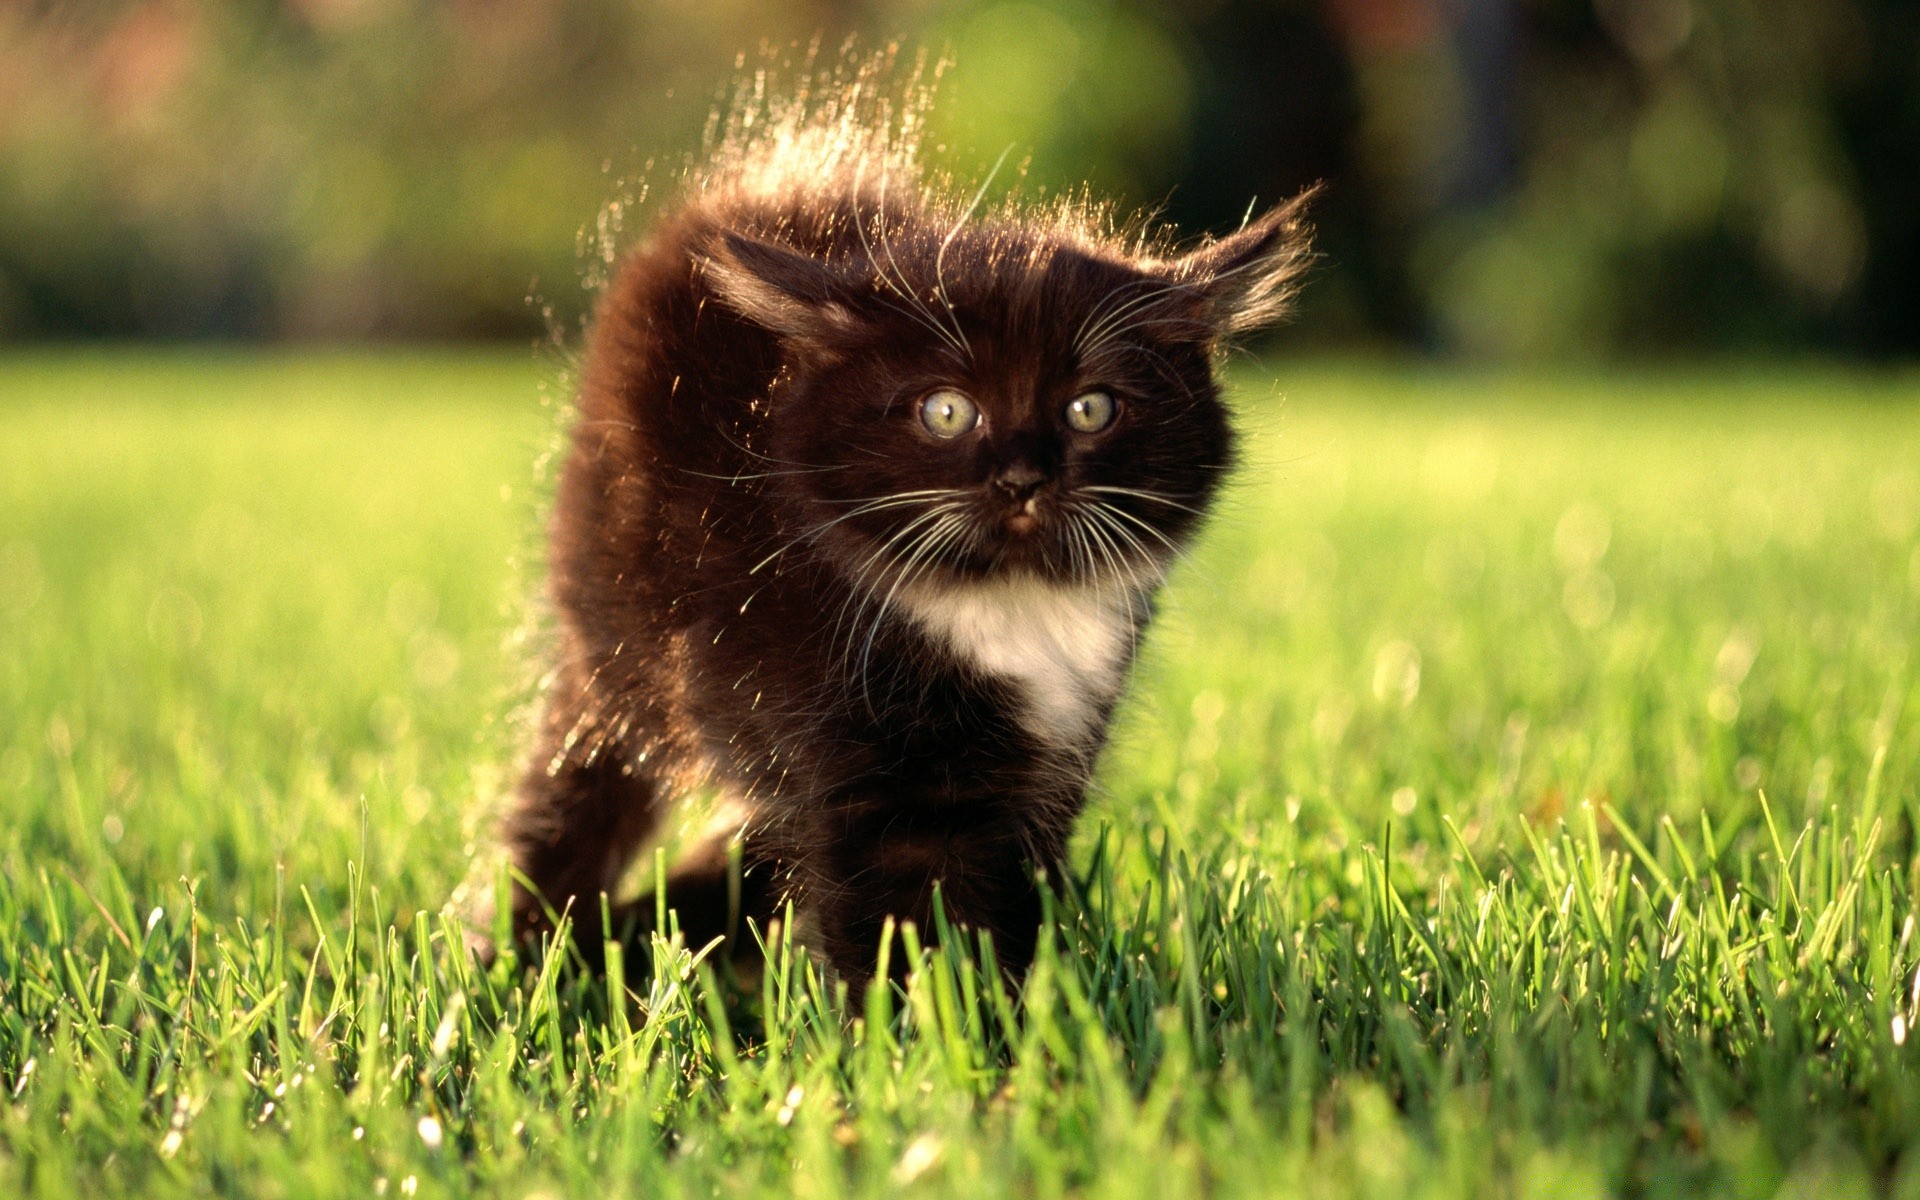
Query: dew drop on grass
[
  {"x": 431, "y": 1133},
  {"x": 794, "y": 1095},
  {"x": 1396, "y": 673},
  {"x": 449, "y": 1026},
  {"x": 435, "y": 658},
  {"x": 1723, "y": 703},
  {"x": 1581, "y": 538},
  {"x": 1736, "y": 657},
  {"x": 921, "y": 1155}
]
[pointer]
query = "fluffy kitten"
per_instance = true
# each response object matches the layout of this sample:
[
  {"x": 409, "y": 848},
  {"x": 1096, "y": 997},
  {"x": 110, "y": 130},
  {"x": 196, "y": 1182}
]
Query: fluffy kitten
[{"x": 866, "y": 505}]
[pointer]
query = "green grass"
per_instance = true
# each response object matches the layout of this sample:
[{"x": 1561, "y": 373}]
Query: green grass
[{"x": 1518, "y": 798}]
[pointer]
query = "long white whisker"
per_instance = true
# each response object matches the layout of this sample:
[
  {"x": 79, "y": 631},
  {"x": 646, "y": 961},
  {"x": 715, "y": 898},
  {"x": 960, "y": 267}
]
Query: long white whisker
[
  {"x": 1087, "y": 341},
  {"x": 1100, "y": 541},
  {"x": 1107, "y": 489},
  {"x": 925, "y": 552},
  {"x": 1098, "y": 313},
  {"x": 899, "y": 288},
  {"x": 898, "y": 495},
  {"x": 946, "y": 345},
  {"x": 940, "y": 256},
  {"x": 744, "y": 476},
  {"x": 1083, "y": 564},
  {"x": 860, "y": 593},
  {"x": 1110, "y": 513},
  {"x": 1105, "y": 518},
  {"x": 878, "y": 504},
  {"x": 925, "y": 548}
]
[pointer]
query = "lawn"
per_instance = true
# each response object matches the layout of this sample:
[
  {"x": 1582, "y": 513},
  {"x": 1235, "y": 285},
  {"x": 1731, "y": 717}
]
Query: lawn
[{"x": 1518, "y": 797}]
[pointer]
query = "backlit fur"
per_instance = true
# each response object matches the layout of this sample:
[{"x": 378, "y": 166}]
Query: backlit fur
[{"x": 897, "y": 653}]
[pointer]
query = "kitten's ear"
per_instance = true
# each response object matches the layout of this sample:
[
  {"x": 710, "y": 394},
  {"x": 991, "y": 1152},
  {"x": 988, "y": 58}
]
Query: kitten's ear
[
  {"x": 793, "y": 294},
  {"x": 1249, "y": 277}
]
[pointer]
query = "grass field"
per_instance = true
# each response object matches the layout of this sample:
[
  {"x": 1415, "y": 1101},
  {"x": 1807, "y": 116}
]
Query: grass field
[{"x": 1519, "y": 798}]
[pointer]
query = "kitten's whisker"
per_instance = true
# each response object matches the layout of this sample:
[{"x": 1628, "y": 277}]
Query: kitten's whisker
[
  {"x": 1109, "y": 551},
  {"x": 940, "y": 256},
  {"x": 879, "y": 504},
  {"x": 1098, "y": 313},
  {"x": 1110, "y": 512},
  {"x": 744, "y": 476},
  {"x": 945, "y": 346},
  {"x": 960, "y": 344},
  {"x": 1107, "y": 489},
  {"x": 752, "y": 453},
  {"x": 885, "y": 549},
  {"x": 1141, "y": 560},
  {"x": 1183, "y": 322},
  {"x": 1083, "y": 565},
  {"x": 1117, "y": 342},
  {"x": 898, "y": 495},
  {"x": 1148, "y": 562},
  {"x": 1087, "y": 342},
  {"x": 896, "y": 283},
  {"x": 816, "y": 530},
  {"x": 925, "y": 553},
  {"x": 861, "y": 590}
]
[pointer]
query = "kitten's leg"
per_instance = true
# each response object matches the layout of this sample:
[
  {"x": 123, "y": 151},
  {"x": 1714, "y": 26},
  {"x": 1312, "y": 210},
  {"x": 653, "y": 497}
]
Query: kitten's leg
[
  {"x": 886, "y": 863},
  {"x": 709, "y": 898},
  {"x": 583, "y": 810}
]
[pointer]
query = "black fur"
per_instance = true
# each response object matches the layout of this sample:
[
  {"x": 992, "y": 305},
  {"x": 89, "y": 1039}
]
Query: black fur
[{"x": 730, "y": 580}]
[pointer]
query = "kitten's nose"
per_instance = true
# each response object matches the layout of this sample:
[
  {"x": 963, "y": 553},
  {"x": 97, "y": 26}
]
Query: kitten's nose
[{"x": 1017, "y": 481}]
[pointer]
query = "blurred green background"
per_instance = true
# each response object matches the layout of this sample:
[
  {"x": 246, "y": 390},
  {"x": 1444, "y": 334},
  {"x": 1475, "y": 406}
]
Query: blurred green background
[{"x": 1509, "y": 177}]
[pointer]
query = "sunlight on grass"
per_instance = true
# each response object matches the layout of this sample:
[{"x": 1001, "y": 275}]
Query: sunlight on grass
[{"x": 1518, "y": 796}]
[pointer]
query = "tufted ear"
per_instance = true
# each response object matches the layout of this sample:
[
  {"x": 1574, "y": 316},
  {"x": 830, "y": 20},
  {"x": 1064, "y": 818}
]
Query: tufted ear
[
  {"x": 789, "y": 292},
  {"x": 1249, "y": 277}
]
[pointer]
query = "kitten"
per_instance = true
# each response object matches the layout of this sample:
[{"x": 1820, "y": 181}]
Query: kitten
[{"x": 866, "y": 505}]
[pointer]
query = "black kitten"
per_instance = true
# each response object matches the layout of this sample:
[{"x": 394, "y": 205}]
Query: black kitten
[{"x": 866, "y": 505}]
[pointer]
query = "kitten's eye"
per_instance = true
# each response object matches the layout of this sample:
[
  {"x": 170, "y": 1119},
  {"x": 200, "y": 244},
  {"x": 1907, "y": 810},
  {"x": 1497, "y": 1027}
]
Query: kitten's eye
[
  {"x": 948, "y": 414},
  {"x": 1090, "y": 412}
]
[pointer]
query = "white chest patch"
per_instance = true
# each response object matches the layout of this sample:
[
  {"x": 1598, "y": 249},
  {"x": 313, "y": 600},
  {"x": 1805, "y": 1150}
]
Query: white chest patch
[{"x": 1064, "y": 647}]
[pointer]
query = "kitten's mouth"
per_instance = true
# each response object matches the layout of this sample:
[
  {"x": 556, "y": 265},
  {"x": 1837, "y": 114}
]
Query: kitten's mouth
[{"x": 1023, "y": 520}]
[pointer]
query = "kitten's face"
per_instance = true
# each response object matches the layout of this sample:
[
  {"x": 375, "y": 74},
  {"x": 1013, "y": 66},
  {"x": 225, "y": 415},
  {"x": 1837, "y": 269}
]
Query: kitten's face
[
  {"x": 1009, "y": 414},
  {"x": 1014, "y": 433}
]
